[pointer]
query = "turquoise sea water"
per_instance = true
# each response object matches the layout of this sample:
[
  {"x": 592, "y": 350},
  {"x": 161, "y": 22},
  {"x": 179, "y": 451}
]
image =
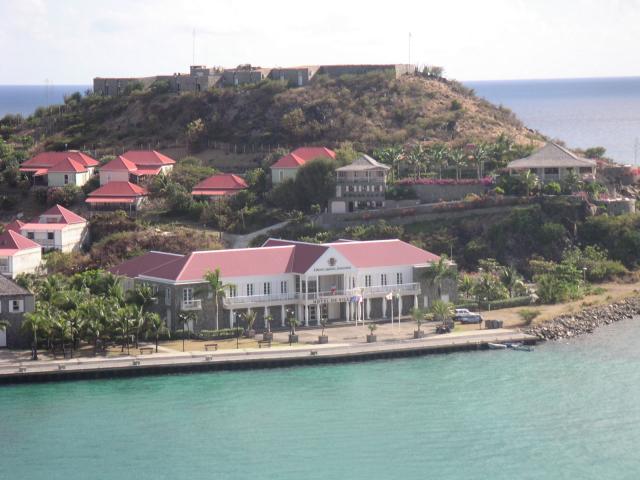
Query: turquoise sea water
[{"x": 564, "y": 411}]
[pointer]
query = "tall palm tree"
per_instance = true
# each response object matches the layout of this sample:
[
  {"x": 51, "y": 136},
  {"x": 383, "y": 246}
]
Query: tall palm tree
[
  {"x": 457, "y": 157},
  {"x": 219, "y": 289},
  {"x": 439, "y": 271},
  {"x": 157, "y": 327},
  {"x": 438, "y": 154},
  {"x": 37, "y": 321},
  {"x": 480, "y": 155},
  {"x": 442, "y": 311}
]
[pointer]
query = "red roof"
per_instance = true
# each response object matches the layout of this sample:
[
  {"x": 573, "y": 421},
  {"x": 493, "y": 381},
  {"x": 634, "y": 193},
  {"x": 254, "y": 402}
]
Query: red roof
[
  {"x": 304, "y": 255},
  {"x": 302, "y": 155},
  {"x": 382, "y": 253},
  {"x": 223, "y": 181},
  {"x": 146, "y": 171},
  {"x": 65, "y": 216},
  {"x": 148, "y": 158},
  {"x": 119, "y": 190},
  {"x": 232, "y": 263},
  {"x": 15, "y": 226},
  {"x": 119, "y": 164},
  {"x": 143, "y": 263},
  {"x": 49, "y": 159},
  {"x": 67, "y": 165},
  {"x": 12, "y": 243}
]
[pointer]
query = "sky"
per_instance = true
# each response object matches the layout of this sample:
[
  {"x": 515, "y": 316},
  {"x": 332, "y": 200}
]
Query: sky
[{"x": 72, "y": 41}]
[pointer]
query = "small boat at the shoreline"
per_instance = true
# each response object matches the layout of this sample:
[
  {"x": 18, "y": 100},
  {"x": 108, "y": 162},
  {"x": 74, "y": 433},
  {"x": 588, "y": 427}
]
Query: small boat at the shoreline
[{"x": 497, "y": 346}]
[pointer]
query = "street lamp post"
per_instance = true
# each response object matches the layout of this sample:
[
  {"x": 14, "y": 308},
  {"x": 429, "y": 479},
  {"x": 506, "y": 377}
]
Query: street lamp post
[
  {"x": 237, "y": 330},
  {"x": 584, "y": 274}
]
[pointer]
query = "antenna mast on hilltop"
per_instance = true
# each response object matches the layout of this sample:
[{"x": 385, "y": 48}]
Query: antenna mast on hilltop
[
  {"x": 409, "y": 48},
  {"x": 193, "y": 48}
]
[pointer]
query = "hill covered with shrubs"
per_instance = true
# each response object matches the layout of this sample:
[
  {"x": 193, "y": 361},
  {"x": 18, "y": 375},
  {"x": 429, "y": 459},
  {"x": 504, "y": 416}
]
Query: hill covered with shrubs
[{"x": 370, "y": 111}]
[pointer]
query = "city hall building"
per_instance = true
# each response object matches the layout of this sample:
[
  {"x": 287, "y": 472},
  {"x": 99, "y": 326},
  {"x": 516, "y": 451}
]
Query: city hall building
[{"x": 340, "y": 281}]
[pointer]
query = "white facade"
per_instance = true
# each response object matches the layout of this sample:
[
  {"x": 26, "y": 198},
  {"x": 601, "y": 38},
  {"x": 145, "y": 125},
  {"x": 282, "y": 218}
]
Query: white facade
[
  {"x": 60, "y": 179},
  {"x": 279, "y": 175},
  {"x": 23, "y": 261},
  {"x": 66, "y": 239}
]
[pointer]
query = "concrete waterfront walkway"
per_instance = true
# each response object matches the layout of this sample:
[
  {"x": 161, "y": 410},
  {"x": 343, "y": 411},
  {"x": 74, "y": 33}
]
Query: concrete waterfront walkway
[{"x": 277, "y": 356}]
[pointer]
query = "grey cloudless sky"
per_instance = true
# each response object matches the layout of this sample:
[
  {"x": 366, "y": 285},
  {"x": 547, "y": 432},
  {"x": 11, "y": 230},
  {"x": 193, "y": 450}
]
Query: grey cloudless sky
[{"x": 71, "y": 41}]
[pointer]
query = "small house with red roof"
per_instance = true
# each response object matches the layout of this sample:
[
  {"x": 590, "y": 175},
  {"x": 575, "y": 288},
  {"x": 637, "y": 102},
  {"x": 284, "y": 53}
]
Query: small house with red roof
[
  {"x": 117, "y": 196},
  {"x": 340, "y": 281},
  {"x": 118, "y": 170},
  {"x": 57, "y": 169},
  {"x": 18, "y": 254},
  {"x": 218, "y": 186},
  {"x": 149, "y": 163},
  {"x": 57, "y": 229},
  {"x": 287, "y": 167}
]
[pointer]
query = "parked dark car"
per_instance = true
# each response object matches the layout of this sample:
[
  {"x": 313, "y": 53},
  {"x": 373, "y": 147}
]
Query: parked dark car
[{"x": 463, "y": 315}]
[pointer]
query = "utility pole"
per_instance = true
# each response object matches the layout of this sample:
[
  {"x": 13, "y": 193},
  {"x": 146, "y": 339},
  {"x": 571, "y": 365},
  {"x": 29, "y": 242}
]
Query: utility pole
[{"x": 193, "y": 48}]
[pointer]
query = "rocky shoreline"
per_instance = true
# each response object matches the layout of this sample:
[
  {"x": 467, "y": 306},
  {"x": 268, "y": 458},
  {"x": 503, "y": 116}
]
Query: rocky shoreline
[{"x": 585, "y": 321}]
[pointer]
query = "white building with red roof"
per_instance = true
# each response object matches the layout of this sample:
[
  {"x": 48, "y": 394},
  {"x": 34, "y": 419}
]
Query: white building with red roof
[
  {"x": 57, "y": 169},
  {"x": 57, "y": 229},
  {"x": 221, "y": 185},
  {"x": 117, "y": 170},
  {"x": 117, "y": 196},
  {"x": 340, "y": 281},
  {"x": 287, "y": 167},
  {"x": 18, "y": 254},
  {"x": 149, "y": 162}
]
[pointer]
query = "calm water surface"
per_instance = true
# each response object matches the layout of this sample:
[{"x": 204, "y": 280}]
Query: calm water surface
[
  {"x": 582, "y": 112},
  {"x": 564, "y": 411}
]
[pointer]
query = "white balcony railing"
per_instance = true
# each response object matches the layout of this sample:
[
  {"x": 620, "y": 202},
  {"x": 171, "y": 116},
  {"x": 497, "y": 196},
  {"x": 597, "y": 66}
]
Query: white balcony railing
[
  {"x": 191, "y": 305},
  {"x": 323, "y": 297},
  {"x": 230, "y": 302}
]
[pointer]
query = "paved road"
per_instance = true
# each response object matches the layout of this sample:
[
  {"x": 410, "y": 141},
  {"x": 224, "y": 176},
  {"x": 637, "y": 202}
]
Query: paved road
[{"x": 243, "y": 241}]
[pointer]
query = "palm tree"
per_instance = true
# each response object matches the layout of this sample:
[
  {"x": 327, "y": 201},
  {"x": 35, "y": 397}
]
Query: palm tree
[
  {"x": 465, "y": 285},
  {"x": 143, "y": 296},
  {"x": 480, "y": 154},
  {"x": 442, "y": 311},
  {"x": 250, "y": 317},
  {"x": 37, "y": 321},
  {"x": 157, "y": 327},
  {"x": 418, "y": 316},
  {"x": 458, "y": 158},
  {"x": 439, "y": 271},
  {"x": 439, "y": 154},
  {"x": 529, "y": 181},
  {"x": 219, "y": 289},
  {"x": 511, "y": 279}
]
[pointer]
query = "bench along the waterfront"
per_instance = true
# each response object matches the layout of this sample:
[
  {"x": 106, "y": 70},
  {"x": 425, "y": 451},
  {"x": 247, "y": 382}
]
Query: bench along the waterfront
[
  {"x": 211, "y": 345},
  {"x": 264, "y": 343},
  {"x": 145, "y": 349}
]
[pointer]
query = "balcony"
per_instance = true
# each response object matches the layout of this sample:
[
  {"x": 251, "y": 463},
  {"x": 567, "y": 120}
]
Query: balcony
[
  {"x": 401, "y": 288},
  {"x": 231, "y": 302},
  {"x": 372, "y": 180},
  {"x": 191, "y": 305}
]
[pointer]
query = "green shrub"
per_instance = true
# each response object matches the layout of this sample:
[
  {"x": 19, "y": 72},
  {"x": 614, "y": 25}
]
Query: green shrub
[
  {"x": 528, "y": 314},
  {"x": 552, "y": 188}
]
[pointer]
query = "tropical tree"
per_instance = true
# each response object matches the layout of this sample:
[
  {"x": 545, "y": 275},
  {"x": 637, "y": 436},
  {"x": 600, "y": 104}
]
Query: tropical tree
[
  {"x": 218, "y": 288},
  {"x": 480, "y": 155},
  {"x": 457, "y": 157},
  {"x": 438, "y": 272},
  {"x": 250, "y": 318},
  {"x": 143, "y": 296},
  {"x": 529, "y": 181},
  {"x": 418, "y": 316},
  {"x": 34, "y": 322},
  {"x": 511, "y": 279},
  {"x": 442, "y": 311},
  {"x": 465, "y": 285},
  {"x": 156, "y": 327}
]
